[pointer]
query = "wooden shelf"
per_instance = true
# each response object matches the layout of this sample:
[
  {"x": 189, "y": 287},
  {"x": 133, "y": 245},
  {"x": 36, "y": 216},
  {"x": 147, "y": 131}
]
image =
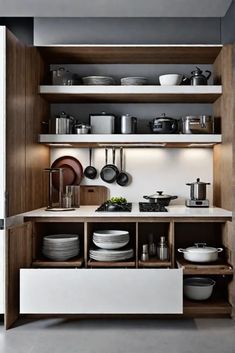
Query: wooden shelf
[
  {"x": 210, "y": 307},
  {"x": 130, "y": 94},
  {"x": 218, "y": 268},
  {"x": 154, "y": 263},
  {"x": 135, "y": 140},
  {"x": 130, "y": 54},
  {"x": 43, "y": 262},
  {"x": 93, "y": 263}
]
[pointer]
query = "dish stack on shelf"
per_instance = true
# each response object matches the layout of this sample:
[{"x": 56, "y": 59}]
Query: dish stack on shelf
[
  {"x": 98, "y": 80},
  {"x": 109, "y": 242},
  {"x": 61, "y": 247},
  {"x": 134, "y": 81}
]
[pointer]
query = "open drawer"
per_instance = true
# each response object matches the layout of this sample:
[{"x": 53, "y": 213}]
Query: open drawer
[{"x": 101, "y": 291}]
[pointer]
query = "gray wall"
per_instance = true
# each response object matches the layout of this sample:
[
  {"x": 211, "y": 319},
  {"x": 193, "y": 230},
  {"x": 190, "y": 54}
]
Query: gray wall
[
  {"x": 228, "y": 26},
  {"x": 22, "y": 27},
  {"x": 126, "y": 30}
]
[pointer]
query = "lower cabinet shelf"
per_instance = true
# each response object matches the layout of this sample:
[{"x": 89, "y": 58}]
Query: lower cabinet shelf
[
  {"x": 99, "y": 264},
  {"x": 45, "y": 263},
  {"x": 210, "y": 307},
  {"x": 101, "y": 291}
]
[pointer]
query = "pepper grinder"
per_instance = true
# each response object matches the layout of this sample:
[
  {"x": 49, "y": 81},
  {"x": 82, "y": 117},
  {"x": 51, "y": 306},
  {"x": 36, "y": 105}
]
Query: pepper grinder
[
  {"x": 145, "y": 253},
  {"x": 162, "y": 249}
]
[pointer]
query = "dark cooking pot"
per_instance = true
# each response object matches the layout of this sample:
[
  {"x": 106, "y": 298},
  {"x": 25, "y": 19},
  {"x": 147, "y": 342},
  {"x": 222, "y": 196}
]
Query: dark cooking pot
[
  {"x": 164, "y": 125},
  {"x": 160, "y": 198}
]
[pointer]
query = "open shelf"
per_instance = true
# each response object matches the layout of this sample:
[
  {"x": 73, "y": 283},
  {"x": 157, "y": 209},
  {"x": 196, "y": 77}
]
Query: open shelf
[
  {"x": 154, "y": 263},
  {"x": 43, "y": 262},
  {"x": 130, "y": 54},
  {"x": 130, "y": 94},
  {"x": 157, "y": 140},
  {"x": 110, "y": 264},
  {"x": 220, "y": 267},
  {"x": 210, "y": 307}
]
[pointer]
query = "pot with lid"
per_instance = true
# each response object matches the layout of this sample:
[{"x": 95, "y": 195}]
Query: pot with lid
[
  {"x": 160, "y": 198},
  {"x": 81, "y": 128},
  {"x": 164, "y": 125},
  {"x": 197, "y": 124},
  {"x": 200, "y": 253},
  {"x": 198, "y": 190}
]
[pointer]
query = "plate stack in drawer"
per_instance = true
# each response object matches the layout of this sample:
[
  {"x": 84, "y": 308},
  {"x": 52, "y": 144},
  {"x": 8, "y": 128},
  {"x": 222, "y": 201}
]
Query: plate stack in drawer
[
  {"x": 61, "y": 247},
  {"x": 111, "y": 245}
]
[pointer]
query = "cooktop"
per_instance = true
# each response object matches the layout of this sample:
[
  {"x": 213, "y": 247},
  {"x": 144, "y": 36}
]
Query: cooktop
[
  {"x": 151, "y": 207},
  {"x": 107, "y": 207}
]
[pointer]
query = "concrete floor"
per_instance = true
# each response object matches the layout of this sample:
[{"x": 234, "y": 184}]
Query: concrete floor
[{"x": 120, "y": 336}]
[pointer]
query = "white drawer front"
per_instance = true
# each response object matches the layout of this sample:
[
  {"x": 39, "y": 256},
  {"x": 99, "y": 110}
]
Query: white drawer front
[{"x": 101, "y": 291}]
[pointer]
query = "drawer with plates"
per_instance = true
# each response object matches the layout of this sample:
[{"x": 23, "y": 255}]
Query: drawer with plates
[{"x": 101, "y": 291}]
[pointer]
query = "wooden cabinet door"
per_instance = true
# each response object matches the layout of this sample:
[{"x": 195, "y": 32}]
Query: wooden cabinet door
[{"x": 18, "y": 255}]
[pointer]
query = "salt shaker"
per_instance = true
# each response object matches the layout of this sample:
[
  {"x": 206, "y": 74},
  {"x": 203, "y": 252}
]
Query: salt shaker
[
  {"x": 145, "y": 253},
  {"x": 162, "y": 249}
]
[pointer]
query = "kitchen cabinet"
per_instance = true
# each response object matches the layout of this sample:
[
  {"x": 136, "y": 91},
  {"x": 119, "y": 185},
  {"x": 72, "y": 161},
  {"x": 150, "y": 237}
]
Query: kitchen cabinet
[{"x": 28, "y": 99}]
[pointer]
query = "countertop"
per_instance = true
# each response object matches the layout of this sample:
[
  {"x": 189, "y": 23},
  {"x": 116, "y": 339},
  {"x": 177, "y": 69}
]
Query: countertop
[{"x": 173, "y": 212}]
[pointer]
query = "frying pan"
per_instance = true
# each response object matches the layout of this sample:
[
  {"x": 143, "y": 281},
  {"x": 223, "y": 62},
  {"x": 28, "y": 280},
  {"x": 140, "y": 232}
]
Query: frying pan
[
  {"x": 109, "y": 172},
  {"x": 90, "y": 172},
  {"x": 122, "y": 178},
  {"x": 72, "y": 174}
]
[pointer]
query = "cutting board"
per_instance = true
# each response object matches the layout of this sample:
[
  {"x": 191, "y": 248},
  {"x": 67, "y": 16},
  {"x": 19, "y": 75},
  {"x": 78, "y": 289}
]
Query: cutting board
[{"x": 93, "y": 195}]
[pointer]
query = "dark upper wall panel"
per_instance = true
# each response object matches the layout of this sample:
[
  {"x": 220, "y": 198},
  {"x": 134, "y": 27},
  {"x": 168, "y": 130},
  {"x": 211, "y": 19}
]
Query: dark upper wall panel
[
  {"x": 22, "y": 27},
  {"x": 228, "y": 26},
  {"x": 126, "y": 31}
]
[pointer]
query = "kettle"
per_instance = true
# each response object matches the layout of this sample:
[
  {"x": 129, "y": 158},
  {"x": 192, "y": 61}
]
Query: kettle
[{"x": 198, "y": 79}]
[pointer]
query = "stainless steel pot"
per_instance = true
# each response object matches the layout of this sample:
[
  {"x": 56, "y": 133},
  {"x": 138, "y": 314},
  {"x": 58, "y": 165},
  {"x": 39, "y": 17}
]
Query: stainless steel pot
[
  {"x": 61, "y": 124},
  {"x": 82, "y": 129},
  {"x": 200, "y": 253},
  {"x": 197, "y": 124},
  {"x": 198, "y": 190},
  {"x": 198, "y": 288},
  {"x": 160, "y": 198}
]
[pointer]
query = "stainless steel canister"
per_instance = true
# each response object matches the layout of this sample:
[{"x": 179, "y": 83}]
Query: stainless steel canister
[
  {"x": 128, "y": 124},
  {"x": 197, "y": 124},
  {"x": 74, "y": 193},
  {"x": 162, "y": 249},
  {"x": 61, "y": 124}
]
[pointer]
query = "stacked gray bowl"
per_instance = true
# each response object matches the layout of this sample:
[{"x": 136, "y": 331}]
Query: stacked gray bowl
[{"x": 61, "y": 247}]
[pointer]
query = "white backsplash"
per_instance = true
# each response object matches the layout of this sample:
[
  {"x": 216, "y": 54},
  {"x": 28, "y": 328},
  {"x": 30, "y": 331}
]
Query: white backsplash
[{"x": 151, "y": 169}]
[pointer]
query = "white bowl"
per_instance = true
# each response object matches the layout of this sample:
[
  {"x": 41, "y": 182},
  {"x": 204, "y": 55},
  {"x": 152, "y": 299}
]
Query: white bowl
[
  {"x": 170, "y": 80},
  {"x": 111, "y": 232},
  {"x": 198, "y": 288}
]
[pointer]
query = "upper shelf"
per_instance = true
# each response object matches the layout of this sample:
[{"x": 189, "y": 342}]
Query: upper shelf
[
  {"x": 127, "y": 94},
  {"x": 134, "y": 140},
  {"x": 130, "y": 54}
]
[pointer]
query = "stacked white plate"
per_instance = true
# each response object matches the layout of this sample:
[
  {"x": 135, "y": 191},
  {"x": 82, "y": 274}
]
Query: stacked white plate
[
  {"x": 111, "y": 239},
  {"x": 61, "y": 247},
  {"x": 111, "y": 255},
  {"x": 134, "y": 81},
  {"x": 98, "y": 80}
]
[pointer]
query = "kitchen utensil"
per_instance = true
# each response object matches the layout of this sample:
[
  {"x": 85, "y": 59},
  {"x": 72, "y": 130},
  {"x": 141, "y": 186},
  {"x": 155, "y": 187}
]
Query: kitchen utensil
[
  {"x": 122, "y": 177},
  {"x": 72, "y": 173},
  {"x": 198, "y": 288},
  {"x": 160, "y": 198},
  {"x": 82, "y": 128},
  {"x": 145, "y": 253},
  {"x": 98, "y": 80},
  {"x": 90, "y": 172},
  {"x": 170, "y": 79},
  {"x": 93, "y": 195},
  {"x": 111, "y": 255},
  {"x": 164, "y": 125},
  {"x": 109, "y": 172},
  {"x": 62, "y": 123},
  {"x": 197, "y": 124},
  {"x": 102, "y": 123},
  {"x": 57, "y": 76},
  {"x": 134, "y": 81},
  {"x": 198, "y": 78},
  {"x": 61, "y": 247},
  {"x": 198, "y": 190},
  {"x": 200, "y": 253},
  {"x": 128, "y": 124},
  {"x": 163, "y": 250},
  {"x": 74, "y": 191},
  {"x": 111, "y": 239}
]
